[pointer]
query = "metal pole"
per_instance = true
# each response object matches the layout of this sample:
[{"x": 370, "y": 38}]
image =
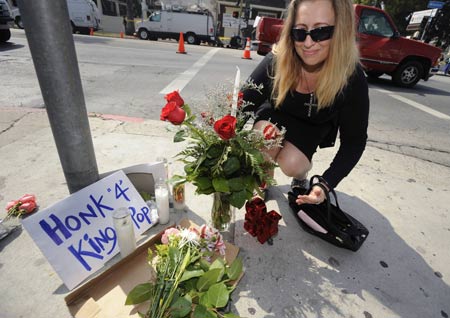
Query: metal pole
[
  {"x": 49, "y": 35},
  {"x": 425, "y": 29}
]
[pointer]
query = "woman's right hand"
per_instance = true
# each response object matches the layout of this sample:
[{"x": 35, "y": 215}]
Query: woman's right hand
[{"x": 316, "y": 196}]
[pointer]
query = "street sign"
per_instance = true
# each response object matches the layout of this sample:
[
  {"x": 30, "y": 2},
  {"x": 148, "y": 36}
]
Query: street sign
[
  {"x": 417, "y": 16},
  {"x": 435, "y": 4}
]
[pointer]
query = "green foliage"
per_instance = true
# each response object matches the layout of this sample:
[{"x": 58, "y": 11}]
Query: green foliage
[
  {"x": 217, "y": 296},
  {"x": 209, "y": 278},
  {"x": 139, "y": 294},
  {"x": 191, "y": 274},
  {"x": 181, "y": 308},
  {"x": 214, "y": 163},
  {"x": 187, "y": 283},
  {"x": 235, "y": 270},
  {"x": 203, "y": 312}
]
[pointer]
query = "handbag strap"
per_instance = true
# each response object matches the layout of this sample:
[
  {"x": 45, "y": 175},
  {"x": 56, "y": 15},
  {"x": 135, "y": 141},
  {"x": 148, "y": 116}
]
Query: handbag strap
[
  {"x": 326, "y": 188},
  {"x": 327, "y": 196}
]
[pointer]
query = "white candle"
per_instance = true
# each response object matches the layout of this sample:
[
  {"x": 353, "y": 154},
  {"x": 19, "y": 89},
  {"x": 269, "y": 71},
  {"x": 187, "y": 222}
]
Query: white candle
[
  {"x": 124, "y": 231},
  {"x": 162, "y": 203},
  {"x": 235, "y": 92}
]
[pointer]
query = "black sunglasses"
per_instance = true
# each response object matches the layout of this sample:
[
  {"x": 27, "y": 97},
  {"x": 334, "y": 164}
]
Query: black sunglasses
[{"x": 317, "y": 34}]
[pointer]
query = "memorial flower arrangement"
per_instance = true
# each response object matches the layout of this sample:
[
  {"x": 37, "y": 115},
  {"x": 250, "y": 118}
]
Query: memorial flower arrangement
[
  {"x": 17, "y": 208},
  {"x": 191, "y": 277},
  {"x": 223, "y": 156}
]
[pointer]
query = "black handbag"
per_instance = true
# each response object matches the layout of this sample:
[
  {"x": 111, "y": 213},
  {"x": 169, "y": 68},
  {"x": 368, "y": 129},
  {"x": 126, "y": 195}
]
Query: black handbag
[{"x": 327, "y": 220}]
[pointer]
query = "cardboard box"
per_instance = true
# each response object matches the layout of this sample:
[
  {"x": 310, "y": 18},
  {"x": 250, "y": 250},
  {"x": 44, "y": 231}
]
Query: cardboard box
[
  {"x": 143, "y": 176},
  {"x": 105, "y": 295}
]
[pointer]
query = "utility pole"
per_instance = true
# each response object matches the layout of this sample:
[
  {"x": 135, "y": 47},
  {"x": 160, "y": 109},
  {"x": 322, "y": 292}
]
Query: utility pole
[
  {"x": 240, "y": 4},
  {"x": 49, "y": 35},
  {"x": 129, "y": 30}
]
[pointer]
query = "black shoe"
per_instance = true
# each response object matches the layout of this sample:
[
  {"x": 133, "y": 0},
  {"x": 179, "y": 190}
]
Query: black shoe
[{"x": 299, "y": 187}]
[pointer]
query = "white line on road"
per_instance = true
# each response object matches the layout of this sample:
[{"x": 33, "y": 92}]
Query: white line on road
[
  {"x": 412, "y": 103},
  {"x": 183, "y": 79}
]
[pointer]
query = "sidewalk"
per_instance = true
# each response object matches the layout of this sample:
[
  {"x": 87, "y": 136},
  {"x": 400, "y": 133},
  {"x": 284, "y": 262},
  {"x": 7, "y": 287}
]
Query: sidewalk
[{"x": 401, "y": 270}]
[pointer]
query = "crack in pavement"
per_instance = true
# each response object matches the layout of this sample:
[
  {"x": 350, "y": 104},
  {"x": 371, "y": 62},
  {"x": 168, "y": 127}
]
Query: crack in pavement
[
  {"x": 408, "y": 150},
  {"x": 14, "y": 123}
]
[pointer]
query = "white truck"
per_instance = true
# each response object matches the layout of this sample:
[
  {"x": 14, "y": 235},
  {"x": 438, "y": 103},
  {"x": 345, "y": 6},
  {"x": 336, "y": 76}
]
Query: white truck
[
  {"x": 6, "y": 21},
  {"x": 83, "y": 14},
  {"x": 196, "y": 27}
]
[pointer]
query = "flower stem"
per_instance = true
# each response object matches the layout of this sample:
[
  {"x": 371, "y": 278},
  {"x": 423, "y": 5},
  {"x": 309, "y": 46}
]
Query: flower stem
[{"x": 195, "y": 131}]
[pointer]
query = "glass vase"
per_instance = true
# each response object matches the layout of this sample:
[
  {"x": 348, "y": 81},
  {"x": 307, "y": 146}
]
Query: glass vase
[{"x": 222, "y": 211}]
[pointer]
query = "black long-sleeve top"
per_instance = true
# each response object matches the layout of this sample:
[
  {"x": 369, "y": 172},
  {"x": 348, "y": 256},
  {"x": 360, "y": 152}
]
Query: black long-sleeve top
[{"x": 349, "y": 115}]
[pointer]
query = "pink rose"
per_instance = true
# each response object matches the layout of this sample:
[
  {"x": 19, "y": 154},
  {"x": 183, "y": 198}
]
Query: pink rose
[
  {"x": 28, "y": 207},
  {"x": 167, "y": 233},
  {"x": 11, "y": 204},
  {"x": 28, "y": 198}
]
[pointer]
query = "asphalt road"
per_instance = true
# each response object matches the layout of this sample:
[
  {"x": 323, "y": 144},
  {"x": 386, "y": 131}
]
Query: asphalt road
[{"x": 129, "y": 77}]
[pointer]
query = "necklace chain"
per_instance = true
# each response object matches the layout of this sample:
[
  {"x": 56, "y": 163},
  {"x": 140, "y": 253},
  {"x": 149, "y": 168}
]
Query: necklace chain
[
  {"x": 311, "y": 103},
  {"x": 306, "y": 81}
]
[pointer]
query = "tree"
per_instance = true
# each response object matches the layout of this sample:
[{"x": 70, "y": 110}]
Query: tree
[
  {"x": 399, "y": 10},
  {"x": 439, "y": 29}
]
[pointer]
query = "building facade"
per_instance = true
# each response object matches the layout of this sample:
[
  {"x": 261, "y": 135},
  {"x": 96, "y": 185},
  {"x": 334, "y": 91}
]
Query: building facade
[
  {"x": 238, "y": 17},
  {"x": 232, "y": 17}
]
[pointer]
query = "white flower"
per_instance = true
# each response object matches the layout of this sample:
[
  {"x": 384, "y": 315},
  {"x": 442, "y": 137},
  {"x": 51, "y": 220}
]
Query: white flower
[{"x": 188, "y": 237}]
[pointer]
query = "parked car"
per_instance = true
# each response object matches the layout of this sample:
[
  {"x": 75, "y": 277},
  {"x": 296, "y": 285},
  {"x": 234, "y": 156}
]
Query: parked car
[
  {"x": 6, "y": 21},
  {"x": 382, "y": 49}
]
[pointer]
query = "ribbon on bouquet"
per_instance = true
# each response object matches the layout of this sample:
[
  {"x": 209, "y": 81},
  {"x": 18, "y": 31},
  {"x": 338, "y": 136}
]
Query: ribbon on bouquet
[{"x": 259, "y": 222}]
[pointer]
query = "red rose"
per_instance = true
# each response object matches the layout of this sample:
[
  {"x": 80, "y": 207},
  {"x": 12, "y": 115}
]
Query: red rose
[
  {"x": 270, "y": 132},
  {"x": 225, "y": 127},
  {"x": 175, "y": 97},
  {"x": 173, "y": 113}
]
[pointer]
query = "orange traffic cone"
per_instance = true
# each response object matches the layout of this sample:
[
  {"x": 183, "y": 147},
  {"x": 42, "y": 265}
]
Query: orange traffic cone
[
  {"x": 91, "y": 31},
  {"x": 121, "y": 35},
  {"x": 246, "y": 55},
  {"x": 181, "y": 44}
]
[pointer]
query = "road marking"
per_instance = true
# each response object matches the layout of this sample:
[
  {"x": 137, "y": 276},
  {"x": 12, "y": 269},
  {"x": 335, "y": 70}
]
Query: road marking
[
  {"x": 419, "y": 106},
  {"x": 184, "y": 78}
]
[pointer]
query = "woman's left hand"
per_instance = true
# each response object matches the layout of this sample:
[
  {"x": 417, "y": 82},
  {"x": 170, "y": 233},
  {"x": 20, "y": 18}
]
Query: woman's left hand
[{"x": 316, "y": 196}]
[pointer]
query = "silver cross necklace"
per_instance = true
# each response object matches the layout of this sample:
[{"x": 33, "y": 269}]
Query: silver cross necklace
[{"x": 312, "y": 98}]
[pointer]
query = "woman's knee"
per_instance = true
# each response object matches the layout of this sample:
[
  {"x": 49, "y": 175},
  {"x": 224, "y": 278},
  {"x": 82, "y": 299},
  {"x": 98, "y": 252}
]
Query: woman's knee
[{"x": 293, "y": 164}]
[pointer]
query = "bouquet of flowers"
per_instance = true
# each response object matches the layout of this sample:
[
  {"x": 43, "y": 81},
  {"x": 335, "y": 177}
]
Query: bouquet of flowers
[
  {"x": 25, "y": 205},
  {"x": 188, "y": 283},
  {"x": 223, "y": 156}
]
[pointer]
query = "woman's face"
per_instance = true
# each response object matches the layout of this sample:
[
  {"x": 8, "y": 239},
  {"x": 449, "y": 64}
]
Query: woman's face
[{"x": 313, "y": 14}]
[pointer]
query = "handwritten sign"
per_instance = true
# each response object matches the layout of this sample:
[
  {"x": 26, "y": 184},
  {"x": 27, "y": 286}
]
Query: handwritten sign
[{"x": 77, "y": 235}]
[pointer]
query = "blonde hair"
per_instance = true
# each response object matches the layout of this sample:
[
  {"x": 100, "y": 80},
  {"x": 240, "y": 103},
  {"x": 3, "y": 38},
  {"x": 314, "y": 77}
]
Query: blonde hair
[{"x": 338, "y": 67}]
